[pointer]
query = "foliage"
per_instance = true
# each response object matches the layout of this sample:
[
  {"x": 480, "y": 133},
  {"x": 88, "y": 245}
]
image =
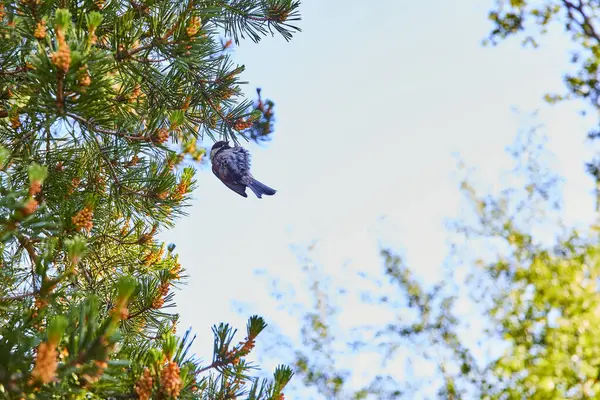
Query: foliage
[
  {"x": 516, "y": 313},
  {"x": 580, "y": 20},
  {"x": 514, "y": 316},
  {"x": 101, "y": 103}
]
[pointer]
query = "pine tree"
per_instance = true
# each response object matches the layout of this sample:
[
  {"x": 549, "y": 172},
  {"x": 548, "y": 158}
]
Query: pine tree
[{"x": 103, "y": 105}]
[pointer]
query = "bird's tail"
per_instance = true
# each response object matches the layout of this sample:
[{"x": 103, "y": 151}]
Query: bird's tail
[{"x": 260, "y": 188}]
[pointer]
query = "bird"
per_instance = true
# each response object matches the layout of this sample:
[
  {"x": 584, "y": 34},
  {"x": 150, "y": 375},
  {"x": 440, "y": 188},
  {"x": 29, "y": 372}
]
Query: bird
[{"x": 232, "y": 166}]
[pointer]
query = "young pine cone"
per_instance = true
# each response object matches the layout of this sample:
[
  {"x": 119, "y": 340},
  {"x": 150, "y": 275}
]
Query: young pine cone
[
  {"x": 45, "y": 363},
  {"x": 170, "y": 381},
  {"x": 161, "y": 136},
  {"x": 83, "y": 219},
  {"x": 143, "y": 387}
]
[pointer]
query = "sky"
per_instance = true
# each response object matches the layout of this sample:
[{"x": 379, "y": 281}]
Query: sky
[{"x": 374, "y": 100}]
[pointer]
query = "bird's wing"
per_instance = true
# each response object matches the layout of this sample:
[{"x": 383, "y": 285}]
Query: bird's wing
[
  {"x": 241, "y": 161},
  {"x": 236, "y": 187}
]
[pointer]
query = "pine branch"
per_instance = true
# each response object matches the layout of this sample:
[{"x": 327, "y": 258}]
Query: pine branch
[
  {"x": 212, "y": 105},
  {"x": 93, "y": 127},
  {"x": 139, "y": 312},
  {"x": 213, "y": 365},
  {"x": 165, "y": 36},
  {"x": 89, "y": 141},
  {"x": 13, "y": 72},
  {"x": 60, "y": 91},
  {"x": 149, "y": 46},
  {"x": 17, "y": 297}
]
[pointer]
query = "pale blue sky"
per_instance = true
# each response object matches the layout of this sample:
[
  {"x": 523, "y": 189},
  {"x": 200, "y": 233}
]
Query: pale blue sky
[{"x": 372, "y": 99}]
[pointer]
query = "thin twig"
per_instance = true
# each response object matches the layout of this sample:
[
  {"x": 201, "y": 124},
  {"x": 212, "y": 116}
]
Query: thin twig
[
  {"x": 90, "y": 125},
  {"x": 586, "y": 24},
  {"x": 28, "y": 246},
  {"x": 215, "y": 109},
  {"x": 138, "y": 313},
  {"x": 148, "y": 60},
  {"x": 147, "y": 47},
  {"x": 60, "y": 88},
  {"x": 113, "y": 172},
  {"x": 117, "y": 239},
  {"x": 215, "y": 364},
  {"x": 14, "y": 71},
  {"x": 17, "y": 297}
]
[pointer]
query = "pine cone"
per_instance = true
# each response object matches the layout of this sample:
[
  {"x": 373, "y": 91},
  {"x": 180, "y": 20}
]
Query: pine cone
[
  {"x": 161, "y": 136},
  {"x": 193, "y": 26},
  {"x": 164, "y": 288},
  {"x": 158, "y": 302},
  {"x": 143, "y": 387},
  {"x": 15, "y": 121},
  {"x": 45, "y": 363},
  {"x": 30, "y": 207},
  {"x": 35, "y": 187},
  {"x": 83, "y": 219},
  {"x": 181, "y": 190},
  {"x": 134, "y": 160},
  {"x": 62, "y": 58},
  {"x": 40, "y": 30},
  {"x": 170, "y": 381},
  {"x": 74, "y": 184},
  {"x": 84, "y": 77},
  {"x": 241, "y": 125}
]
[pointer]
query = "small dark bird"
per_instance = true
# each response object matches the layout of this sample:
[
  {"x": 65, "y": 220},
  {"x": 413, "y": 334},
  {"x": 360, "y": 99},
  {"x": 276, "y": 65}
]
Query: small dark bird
[{"x": 232, "y": 166}]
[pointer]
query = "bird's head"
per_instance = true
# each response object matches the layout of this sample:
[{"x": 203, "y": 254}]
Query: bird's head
[{"x": 220, "y": 145}]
